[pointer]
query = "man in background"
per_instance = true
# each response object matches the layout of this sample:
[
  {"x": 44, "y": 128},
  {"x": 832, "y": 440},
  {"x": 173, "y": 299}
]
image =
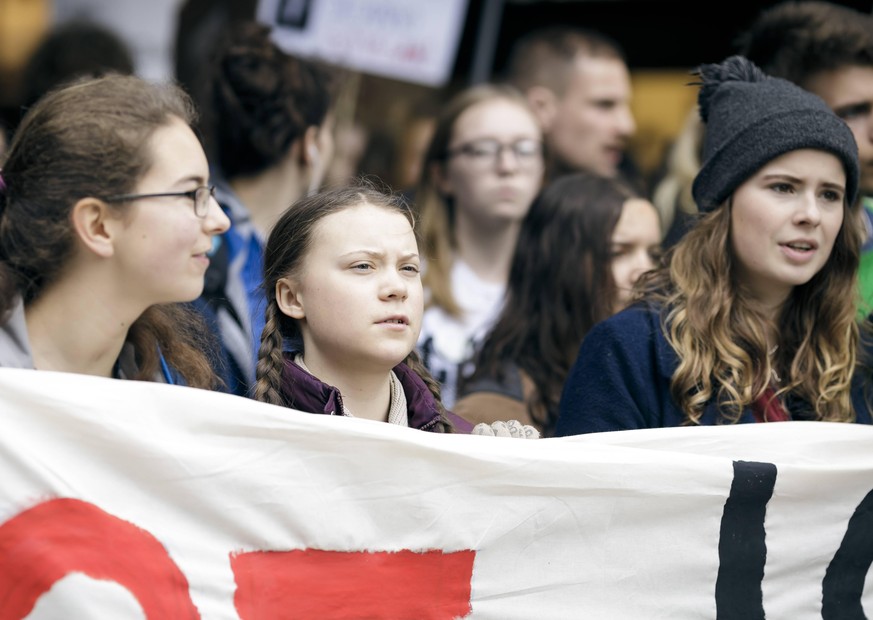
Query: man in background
[{"x": 578, "y": 84}]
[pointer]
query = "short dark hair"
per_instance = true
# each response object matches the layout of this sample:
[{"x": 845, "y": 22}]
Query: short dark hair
[
  {"x": 796, "y": 40},
  {"x": 545, "y": 57}
]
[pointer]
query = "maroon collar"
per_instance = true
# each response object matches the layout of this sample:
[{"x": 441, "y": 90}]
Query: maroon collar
[{"x": 302, "y": 390}]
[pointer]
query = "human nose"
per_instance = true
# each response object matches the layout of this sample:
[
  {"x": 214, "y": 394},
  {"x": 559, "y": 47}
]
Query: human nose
[
  {"x": 394, "y": 285},
  {"x": 216, "y": 221},
  {"x": 625, "y": 122},
  {"x": 808, "y": 213},
  {"x": 642, "y": 263},
  {"x": 507, "y": 159}
]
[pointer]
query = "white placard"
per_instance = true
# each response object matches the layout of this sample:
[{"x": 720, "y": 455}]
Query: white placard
[{"x": 409, "y": 40}]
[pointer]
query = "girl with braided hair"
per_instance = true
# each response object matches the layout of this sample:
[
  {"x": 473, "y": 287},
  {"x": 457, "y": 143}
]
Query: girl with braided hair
[
  {"x": 343, "y": 313},
  {"x": 751, "y": 316},
  {"x": 106, "y": 219}
]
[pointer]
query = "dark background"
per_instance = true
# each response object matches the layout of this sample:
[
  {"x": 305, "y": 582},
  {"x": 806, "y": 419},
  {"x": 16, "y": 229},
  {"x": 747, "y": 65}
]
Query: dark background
[{"x": 653, "y": 33}]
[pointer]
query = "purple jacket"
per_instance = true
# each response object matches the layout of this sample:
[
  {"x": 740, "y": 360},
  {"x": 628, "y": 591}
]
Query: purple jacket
[{"x": 305, "y": 392}]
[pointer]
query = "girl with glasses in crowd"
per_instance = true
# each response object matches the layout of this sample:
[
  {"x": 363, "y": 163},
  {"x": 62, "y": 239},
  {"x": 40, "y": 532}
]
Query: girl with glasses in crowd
[
  {"x": 106, "y": 219},
  {"x": 344, "y": 309},
  {"x": 582, "y": 247},
  {"x": 482, "y": 170},
  {"x": 752, "y": 316}
]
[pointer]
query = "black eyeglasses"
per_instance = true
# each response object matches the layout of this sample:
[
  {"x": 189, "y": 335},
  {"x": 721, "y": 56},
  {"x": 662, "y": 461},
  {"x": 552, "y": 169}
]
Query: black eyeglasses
[
  {"x": 487, "y": 151},
  {"x": 199, "y": 195}
]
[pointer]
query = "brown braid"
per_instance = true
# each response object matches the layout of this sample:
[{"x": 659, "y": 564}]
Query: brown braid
[
  {"x": 268, "y": 387},
  {"x": 413, "y": 361}
]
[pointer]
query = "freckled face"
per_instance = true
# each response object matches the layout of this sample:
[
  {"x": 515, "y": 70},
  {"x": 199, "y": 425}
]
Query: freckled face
[
  {"x": 161, "y": 255},
  {"x": 360, "y": 290},
  {"x": 784, "y": 221}
]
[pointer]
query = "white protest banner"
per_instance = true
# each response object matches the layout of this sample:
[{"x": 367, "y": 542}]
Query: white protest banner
[
  {"x": 407, "y": 40},
  {"x": 122, "y": 499}
]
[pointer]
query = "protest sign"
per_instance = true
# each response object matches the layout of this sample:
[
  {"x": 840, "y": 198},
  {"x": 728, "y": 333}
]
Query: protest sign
[{"x": 400, "y": 39}]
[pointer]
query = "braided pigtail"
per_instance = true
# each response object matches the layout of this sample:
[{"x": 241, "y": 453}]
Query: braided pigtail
[
  {"x": 268, "y": 384},
  {"x": 413, "y": 361}
]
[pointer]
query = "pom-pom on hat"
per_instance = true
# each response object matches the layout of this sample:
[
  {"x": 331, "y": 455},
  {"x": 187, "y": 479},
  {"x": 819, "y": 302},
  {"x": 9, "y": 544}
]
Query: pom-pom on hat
[{"x": 751, "y": 119}]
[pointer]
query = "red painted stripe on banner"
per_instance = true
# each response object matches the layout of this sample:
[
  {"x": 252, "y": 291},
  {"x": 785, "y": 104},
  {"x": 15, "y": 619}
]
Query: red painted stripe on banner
[
  {"x": 334, "y": 585},
  {"x": 51, "y": 540}
]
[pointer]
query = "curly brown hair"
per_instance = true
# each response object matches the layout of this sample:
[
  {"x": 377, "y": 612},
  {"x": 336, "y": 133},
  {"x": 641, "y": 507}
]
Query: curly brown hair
[{"x": 721, "y": 339}]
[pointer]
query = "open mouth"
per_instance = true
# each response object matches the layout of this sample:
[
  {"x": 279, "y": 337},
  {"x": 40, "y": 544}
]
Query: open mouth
[{"x": 800, "y": 246}]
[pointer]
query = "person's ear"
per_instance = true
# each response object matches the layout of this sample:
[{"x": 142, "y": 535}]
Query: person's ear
[
  {"x": 289, "y": 299},
  {"x": 440, "y": 177},
  {"x": 544, "y": 104},
  {"x": 96, "y": 225},
  {"x": 310, "y": 146}
]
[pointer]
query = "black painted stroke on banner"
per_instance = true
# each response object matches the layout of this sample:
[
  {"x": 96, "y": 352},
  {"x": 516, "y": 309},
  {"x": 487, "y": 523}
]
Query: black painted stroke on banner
[
  {"x": 742, "y": 550},
  {"x": 843, "y": 584}
]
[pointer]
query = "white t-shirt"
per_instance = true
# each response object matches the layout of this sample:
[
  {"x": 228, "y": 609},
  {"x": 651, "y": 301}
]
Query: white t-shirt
[{"x": 446, "y": 343}]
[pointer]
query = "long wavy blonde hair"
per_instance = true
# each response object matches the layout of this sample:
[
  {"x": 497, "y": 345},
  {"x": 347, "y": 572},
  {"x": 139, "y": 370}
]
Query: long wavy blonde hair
[{"x": 721, "y": 338}]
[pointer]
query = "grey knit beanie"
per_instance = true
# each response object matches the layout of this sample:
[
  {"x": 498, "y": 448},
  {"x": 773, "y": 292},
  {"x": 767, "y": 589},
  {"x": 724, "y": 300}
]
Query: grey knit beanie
[{"x": 751, "y": 119}]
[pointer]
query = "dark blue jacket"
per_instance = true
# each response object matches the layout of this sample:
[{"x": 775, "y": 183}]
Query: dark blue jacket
[
  {"x": 232, "y": 303},
  {"x": 621, "y": 381}
]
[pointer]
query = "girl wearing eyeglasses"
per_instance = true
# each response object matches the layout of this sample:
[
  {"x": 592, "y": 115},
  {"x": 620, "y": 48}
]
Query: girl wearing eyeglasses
[
  {"x": 481, "y": 172},
  {"x": 106, "y": 218}
]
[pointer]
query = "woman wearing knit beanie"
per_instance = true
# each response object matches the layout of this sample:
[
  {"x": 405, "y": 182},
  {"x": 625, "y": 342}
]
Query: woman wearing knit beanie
[{"x": 751, "y": 316}]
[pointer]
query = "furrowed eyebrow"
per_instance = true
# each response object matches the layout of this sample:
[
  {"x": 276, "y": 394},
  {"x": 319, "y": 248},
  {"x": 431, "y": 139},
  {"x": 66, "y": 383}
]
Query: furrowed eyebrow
[
  {"x": 781, "y": 176},
  {"x": 835, "y": 186},
  {"x": 853, "y": 108},
  {"x": 377, "y": 254},
  {"x": 371, "y": 253}
]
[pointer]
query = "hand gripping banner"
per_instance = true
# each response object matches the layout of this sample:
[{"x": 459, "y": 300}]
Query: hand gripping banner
[{"x": 121, "y": 499}]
